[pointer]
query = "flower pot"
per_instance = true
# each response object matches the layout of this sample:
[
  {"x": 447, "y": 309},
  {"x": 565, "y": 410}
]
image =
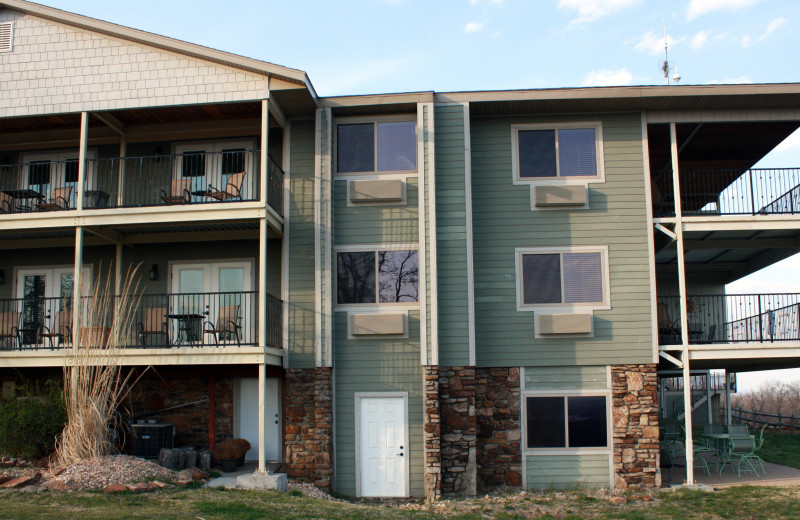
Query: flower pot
[
  {"x": 228, "y": 465},
  {"x": 240, "y": 461}
]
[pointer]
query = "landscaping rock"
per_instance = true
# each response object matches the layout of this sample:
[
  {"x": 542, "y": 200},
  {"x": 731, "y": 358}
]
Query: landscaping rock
[
  {"x": 184, "y": 474},
  {"x": 18, "y": 482},
  {"x": 60, "y": 485},
  {"x": 4, "y": 478},
  {"x": 197, "y": 474},
  {"x": 618, "y": 501},
  {"x": 140, "y": 487},
  {"x": 115, "y": 488}
]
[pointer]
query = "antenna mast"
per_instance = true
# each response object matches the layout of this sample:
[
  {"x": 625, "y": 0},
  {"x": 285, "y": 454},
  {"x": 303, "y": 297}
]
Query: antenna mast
[{"x": 665, "y": 67}]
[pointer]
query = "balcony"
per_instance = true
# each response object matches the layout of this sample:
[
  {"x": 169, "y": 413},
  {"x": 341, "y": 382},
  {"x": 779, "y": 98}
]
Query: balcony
[
  {"x": 732, "y": 318},
  {"x": 773, "y": 191},
  {"x": 130, "y": 182},
  {"x": 223, "y": 319}
]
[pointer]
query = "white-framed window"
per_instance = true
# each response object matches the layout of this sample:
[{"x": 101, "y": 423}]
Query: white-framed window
[
  {"x": 566, "y": 421},
  {"x": 376, "y": 146},
  {"x": 377, "y": 276},
  {"x": 570, "y": 278},
  {"x": 564, "y": 153}
]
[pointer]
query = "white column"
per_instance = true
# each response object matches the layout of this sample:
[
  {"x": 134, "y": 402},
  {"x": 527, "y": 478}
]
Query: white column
[
  {"x": 82, "y": 159},
  {"x": 76, "y": 287},
  {"x": 264, "y": 150},
  {"x": 687, "y": 391},
  {"x": 262, "y": 235},
  {"x": 708, "y": 397},
  {"x": 262, "y": 416},
  {"x": 123, "y": 152},
  {"x": 727, "y": 397}
]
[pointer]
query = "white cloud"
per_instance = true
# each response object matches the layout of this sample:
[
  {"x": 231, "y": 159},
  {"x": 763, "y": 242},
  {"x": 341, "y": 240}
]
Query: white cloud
[
  {"x": 699, "y": 40},
  {"x": 653, "y": 43},
  {"x": 700, "y": 7},
  {"x": 607, "y": 78},
  {"x": 789, "y": 145},
  {"x": 473, "y": 27},
  {"x": 589, "y": 10},
  {"x": 773, "y": 26}
]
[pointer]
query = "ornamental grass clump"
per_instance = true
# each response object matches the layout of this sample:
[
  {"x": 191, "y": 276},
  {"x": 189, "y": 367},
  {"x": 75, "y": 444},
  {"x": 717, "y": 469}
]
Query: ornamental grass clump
[{"x": 94, "y": 380}]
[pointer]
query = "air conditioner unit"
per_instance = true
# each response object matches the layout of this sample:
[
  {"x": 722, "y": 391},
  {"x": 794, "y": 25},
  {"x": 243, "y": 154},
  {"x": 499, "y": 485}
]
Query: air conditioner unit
[{"x": 148, "y": 439}]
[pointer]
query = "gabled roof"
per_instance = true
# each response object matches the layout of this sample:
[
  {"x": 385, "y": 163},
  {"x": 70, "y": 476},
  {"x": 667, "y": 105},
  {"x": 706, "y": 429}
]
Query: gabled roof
[{"x": 161, "y": 42}]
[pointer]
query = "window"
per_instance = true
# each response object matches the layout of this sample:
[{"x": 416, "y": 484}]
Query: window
[
  {"x": 561, "y": 152},
  {"x": 377, "y": 277},
  {"x": 577, "y": 421},
  {"x": 570, "y": 277},
  {"x": 388, "y": 146}
]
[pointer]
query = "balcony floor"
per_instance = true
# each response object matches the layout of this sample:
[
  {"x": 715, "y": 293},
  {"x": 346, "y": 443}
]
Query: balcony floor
[{"x": 738, "y": 357}]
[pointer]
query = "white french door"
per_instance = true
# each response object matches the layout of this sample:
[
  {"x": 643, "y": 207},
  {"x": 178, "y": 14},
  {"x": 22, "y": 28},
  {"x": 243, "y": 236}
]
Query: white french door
[
  {"x": 47, "y": 171},
  {"x": 45, "y": 291},
  {"x": 382, "y": 443},
  {"x": 211, "y": 164},
  {"x": 205, "y": 287}
]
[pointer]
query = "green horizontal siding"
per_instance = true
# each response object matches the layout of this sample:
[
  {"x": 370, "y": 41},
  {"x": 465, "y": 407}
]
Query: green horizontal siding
[
  {"x": 301, "y": 267},
  {"x": 378, "y": 224},
  {"x": 569, "y": 377},
  {"x": 451, "y": 238},
  {"x": 376, "y": 365},
  {"x": 503, "y": 220},
  {"x": 567, "y": 471}
]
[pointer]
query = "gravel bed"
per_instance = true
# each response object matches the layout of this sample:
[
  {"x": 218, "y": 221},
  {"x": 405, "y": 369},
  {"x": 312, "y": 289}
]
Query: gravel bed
[
  {"x": 311, "y": 491},
  {"x": 113, "y": 469}
]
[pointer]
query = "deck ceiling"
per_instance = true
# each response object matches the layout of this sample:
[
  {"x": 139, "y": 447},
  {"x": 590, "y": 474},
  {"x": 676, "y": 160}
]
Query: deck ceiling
[
  {"x": 728, "y": 359},
  {"x": 729, "y": 254}
]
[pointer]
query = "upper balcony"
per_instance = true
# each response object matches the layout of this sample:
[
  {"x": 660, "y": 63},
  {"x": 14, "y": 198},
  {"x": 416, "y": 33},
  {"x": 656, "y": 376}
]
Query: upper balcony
[{"x": 191, "y": 177}]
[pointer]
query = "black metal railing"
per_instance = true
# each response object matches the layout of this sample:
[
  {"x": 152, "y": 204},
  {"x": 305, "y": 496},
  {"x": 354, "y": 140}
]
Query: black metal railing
[
  {"x": 763, "y": 191},
  {"x": 186, "y": 178},
  {"x": 731, "y": 318},
  {"x": 158, "y": 321},
  {"x": 711, "y": 380}
]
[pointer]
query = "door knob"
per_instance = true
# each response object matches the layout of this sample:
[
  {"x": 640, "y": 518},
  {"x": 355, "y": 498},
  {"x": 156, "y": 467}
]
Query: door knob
[{"x": 400, "y": 454}]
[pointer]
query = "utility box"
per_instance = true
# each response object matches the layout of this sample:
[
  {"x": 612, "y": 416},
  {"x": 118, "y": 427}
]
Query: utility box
[{"x": 148, "y": 439}]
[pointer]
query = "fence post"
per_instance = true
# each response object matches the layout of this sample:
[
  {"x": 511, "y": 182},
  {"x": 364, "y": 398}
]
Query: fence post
[{"x": 780, "y": 422}]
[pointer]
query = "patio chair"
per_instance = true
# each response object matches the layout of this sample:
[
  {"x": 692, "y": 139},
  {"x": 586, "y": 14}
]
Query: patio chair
[
  {"x": 60, "y": 329},
  {"x": 739, "y": 430},
  {"x": 9, "y": 328},
  {"x": 699, "y": 447},
  {"x": 739, "y": 455},
  {"x": 667, "y": 329},
  {"x": 753, "y": 457},
  {"x": 6, "y": 203},
  {"x": 58, "y": 201},
  {"x": 154, "y": 323},
  {"x": 233, "y": 190},
  {"x": 227, "y": 324},
  {"x": 180, "y": 192}
]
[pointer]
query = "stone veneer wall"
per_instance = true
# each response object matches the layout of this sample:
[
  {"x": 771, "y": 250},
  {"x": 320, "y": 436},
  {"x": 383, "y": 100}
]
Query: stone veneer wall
[
  {"x": 432, "y": 432},
  {"x": 635, "y": 416},
  {"x": 459, "y": 432},
  {"x": 497, "y": 401},
  {"x": 308, "y": 425},
  {"x": 151, "y": 394}
]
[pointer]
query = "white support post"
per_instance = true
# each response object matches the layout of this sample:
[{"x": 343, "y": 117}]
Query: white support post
[
  {"x": 118, "y": 269},
  {"x": 123, "y": 153},
  {"x": 76, "y": 288},
  {"x": 262, "y": 416},
  {"x": 687, "y": 390},
  {"x": 708, "y": 397},
  {"x": 82, "y": 159},
  {"x": 264, "y": 159},
  {"x": 727, "y": 397},
  {"x": 262, "y": 283}
]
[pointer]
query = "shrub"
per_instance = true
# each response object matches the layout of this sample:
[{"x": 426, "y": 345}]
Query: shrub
[
  {"x": 30, "y": 422},
  {"x": 226, "y": 450},
  {"x": 243, "y": 446}
]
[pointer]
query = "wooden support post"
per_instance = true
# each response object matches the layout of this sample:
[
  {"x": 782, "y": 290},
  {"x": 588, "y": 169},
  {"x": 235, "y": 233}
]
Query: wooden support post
[
  {"x": 262, "y": 417},
  {"x": 82, "y": 160}
]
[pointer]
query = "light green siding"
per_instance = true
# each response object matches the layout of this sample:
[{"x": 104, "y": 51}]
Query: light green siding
[
  {"x": 503, "y": 220},
  {"x": 384, "y": 223},
  {"x": 428, "y": 218},
  {"x": 377, "y": 365},
  {"x": 567, "y": 471},
  {"x": 301, "y": 267},
  {"x": 451, "y": 229},
  {"x": 563, "y": 378}
]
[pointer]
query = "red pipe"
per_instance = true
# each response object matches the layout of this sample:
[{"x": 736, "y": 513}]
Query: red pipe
[{"x": 212, "y": 404}]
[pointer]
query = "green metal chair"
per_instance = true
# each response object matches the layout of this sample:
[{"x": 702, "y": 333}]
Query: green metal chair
[
  {"x": 753, "y": 458},
  {"x": 739, "y": 455}
]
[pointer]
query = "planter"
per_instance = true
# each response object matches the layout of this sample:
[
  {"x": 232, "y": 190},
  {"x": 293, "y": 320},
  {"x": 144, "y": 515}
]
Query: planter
[
  {"x": 228, "y": 465},
  {"x": 240, "y": 461}
]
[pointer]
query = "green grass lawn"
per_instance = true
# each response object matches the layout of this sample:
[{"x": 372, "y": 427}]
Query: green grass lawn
[
  {"x": 741, "y": 502},
  {"x": 781, "y": 448}
]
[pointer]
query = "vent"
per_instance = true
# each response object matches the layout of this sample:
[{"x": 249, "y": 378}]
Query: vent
[{"x": 6, "y": 36}]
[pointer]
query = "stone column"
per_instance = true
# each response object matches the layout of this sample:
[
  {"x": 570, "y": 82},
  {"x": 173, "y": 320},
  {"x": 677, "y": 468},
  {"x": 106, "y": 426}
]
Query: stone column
[
  {"x": 308, "y": 425},
  {"x": 459, "y": 434},
  {"x": 432, "y": 432},
  {"x": 635, "y": 412},
  {"x": 497, "y": 402}
]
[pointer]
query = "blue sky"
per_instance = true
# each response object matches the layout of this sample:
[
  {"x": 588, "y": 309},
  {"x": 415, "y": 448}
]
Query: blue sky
[{"x": 377, "y": 46}]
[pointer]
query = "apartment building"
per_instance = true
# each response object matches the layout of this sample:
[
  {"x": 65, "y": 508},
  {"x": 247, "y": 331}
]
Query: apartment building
[{"x": 407, "y": 294}]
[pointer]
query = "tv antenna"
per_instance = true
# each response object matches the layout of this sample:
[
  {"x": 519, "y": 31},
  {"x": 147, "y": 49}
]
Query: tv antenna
[{"x": 664, "y": 66}]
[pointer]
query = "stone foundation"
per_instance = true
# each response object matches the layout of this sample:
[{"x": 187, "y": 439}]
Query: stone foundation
[
  {"x": 635, "y": 416},
  {"x": 432, "y": 432},
  {"x": 459, "y": 444},
  {"x": 151, "y": 394},
  {"x": 497, "y": 401},
  {"x": 308, "y": 425}
]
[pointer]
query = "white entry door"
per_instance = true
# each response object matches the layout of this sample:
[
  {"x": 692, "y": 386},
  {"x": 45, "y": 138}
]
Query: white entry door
[
  {"x": 247, "y": 417},
  {"x": 383, "y": 450}
]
